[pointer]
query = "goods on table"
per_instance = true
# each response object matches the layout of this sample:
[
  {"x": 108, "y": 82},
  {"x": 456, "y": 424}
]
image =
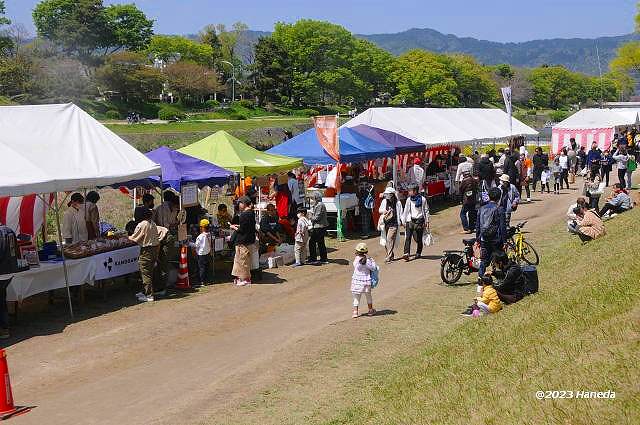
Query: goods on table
[{"x": 89, "y": 248}]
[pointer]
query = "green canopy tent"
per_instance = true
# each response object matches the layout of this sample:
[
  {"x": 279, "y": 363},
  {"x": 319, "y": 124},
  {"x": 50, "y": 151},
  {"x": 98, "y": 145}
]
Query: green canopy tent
[{"x": 226, "y": 151}]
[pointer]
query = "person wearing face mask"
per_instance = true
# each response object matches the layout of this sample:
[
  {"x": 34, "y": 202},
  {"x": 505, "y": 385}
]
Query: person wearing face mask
[
  {"x": 510, "y": 198},
  {"x": 390, "y": 211},
  {"x": 74, "y": 227}
]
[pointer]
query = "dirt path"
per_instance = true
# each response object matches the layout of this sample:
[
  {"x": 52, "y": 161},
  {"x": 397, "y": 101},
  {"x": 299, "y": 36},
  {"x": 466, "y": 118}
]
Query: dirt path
[{"x": 181, "y": 361}]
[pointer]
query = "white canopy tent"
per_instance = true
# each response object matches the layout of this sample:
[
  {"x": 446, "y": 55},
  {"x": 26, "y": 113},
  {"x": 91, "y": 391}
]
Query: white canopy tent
[
  {"x": 58, "y": 148},
  {"x": 443, "y": 126},
  {"x": 592, "y": 125}
]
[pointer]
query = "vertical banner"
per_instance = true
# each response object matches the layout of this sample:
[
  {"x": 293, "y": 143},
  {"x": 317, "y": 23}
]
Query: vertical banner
[
  {"x": 506, "y": 95},
  {"x": 327, "y": 131}
]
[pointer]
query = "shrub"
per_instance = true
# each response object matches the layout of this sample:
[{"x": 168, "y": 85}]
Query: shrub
[
  {"x": 558, "y": 116},
  {"x": 112, "y": 114},
  {"x": 237, "y": 116},
  {"x": 211, "y": 104},
  {"x": 171, "y": 113},
  {"x": 309, "y": 112},
  {"x": 246, "y": 103}
]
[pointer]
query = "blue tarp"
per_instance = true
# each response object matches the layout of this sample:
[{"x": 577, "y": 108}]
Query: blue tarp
[
  {"x": 398, "y": 142},
  {"x": 178, "y": 169},
  {"x": 354, "y": 147}
]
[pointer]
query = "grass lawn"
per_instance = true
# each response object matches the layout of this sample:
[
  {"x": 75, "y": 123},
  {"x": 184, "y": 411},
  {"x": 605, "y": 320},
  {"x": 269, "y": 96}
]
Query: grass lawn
[
  {"x": 581, "y": 332},
  {"x": 196, "y": 126}
]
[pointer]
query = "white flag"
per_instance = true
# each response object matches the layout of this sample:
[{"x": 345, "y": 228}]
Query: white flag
[{"x": 506, "y": 95}]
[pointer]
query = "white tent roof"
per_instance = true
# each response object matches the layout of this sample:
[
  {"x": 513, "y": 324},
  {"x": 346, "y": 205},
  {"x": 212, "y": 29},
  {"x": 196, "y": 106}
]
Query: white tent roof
[
  {"x": 57, "y": 148},
  {"x": 437, "y": 126},
  {"x": 599, "y": 118}
]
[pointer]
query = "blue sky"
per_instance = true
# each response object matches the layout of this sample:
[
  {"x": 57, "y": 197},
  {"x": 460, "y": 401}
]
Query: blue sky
[{"x": 498, "y": 20}]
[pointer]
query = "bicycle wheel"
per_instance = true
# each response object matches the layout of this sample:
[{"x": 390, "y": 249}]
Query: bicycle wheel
[
  {"x": 510, "y": 250},
  {"x": 529, "y": 254},
  {"x": 451, "y": 269}
]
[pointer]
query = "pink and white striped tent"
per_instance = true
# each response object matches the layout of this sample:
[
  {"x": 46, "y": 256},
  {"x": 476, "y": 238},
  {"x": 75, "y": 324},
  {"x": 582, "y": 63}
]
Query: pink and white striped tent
[{"x": 592, "y": 125}]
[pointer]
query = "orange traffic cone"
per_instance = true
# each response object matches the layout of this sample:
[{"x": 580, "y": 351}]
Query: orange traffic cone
[
  {"x": 183, "y": 271},
  {"x": 7, "y": 408}
]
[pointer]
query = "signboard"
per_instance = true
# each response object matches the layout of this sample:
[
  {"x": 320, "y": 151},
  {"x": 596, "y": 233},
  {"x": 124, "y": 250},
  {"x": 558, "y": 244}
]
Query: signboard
[
  {"x": 116, "y": 263},
  {"x": 189, "y": 194}
]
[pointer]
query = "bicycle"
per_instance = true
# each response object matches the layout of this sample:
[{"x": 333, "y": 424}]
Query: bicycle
[{"x": 518, "y": 248}]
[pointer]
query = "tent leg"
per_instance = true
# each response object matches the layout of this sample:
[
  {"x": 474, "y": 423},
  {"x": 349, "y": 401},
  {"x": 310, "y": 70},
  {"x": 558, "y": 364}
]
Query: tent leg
[
  {"x": 64, "y": 262},
  {"x": 395, "y": 171}
]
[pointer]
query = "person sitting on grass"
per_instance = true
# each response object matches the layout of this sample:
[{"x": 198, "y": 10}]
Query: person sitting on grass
[
  {"x": 509, "y": 280},
  {"x": 617, "y": 203},
  {"x": 270, "y": 227},
  {"x": 588, "y": 224},
  {"x": 488, "y": 302},
  {"x": 571, "y": 215}
]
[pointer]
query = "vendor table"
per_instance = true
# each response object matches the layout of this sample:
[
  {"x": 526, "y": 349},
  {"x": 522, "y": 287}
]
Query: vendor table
[
  {"x": 50, "y": 274},
  {"x": 436, "y": 188}
]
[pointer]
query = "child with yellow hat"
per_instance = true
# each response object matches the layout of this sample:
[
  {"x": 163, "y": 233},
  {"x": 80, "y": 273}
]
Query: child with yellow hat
[{"x": 202, "y": 247}]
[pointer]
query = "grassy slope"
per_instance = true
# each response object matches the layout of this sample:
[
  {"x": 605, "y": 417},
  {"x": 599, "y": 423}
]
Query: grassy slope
[
  {"x": 581, "y": 332},
  {"x": 187, "y": 126}
]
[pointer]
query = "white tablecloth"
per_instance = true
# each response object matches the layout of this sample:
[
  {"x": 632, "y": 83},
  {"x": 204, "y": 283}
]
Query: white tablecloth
[{"x": 50, "y": 275}]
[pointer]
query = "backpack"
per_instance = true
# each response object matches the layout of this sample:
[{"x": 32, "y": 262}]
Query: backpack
[
  {"x": 8, "y": 251},
  {"x": 632, "y": 165},
  {"x": 530, "y": 274},
  {"x": 490, "y": 230},
  {"x": 375, "y": 277}
]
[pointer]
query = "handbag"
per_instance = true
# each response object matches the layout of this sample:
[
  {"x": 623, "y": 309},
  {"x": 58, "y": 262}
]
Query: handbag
[
  {"x": 427, "y": 239},
  {"x": 375, "y": 277}
]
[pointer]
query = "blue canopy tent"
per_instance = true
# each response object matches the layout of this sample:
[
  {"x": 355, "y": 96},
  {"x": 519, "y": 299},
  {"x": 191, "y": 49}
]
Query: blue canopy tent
[
  {"x": 398, "y": 142},
  {"x": 178, "y": 169},
  {"x": 354, "y": 147}
]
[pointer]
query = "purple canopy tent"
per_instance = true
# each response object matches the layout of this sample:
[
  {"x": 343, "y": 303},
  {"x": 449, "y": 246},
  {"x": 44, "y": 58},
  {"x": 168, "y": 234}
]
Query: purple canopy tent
[
  {"x": 396, "y": 141},
  {"x": 399, "y": 143}
]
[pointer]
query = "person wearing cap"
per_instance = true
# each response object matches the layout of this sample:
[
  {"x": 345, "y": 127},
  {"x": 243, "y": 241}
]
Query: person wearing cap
[
  {"x": 202, "y": 247},
  {"x": 510, "y": 197},
  {"x": 415, "y": 218},
  {"x": 390, "y": 212},
  {"x": 319, "y": 224},
  {"x": 74, "y": 226},
  {"x": 363, "y": 265},
  {"x": 416, "y": 174},
  {"x": 147, "y": 237},
  {"x": 270, "y": 228},
  {"x": 468, "y": 212},
  {"x": 244, "y": 239}
]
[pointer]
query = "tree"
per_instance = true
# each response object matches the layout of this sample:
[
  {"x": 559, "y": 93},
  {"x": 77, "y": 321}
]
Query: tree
[
  {"x": 555, "y": 87},
  {"x": 626, "y": 64},
  {"x": 192, "y": 82},
  {"x": 16, "y": 76},
  {"x": 504, "y": 71},
  {"x": 129, "y": 27},
  {"x": 272, "y": 71},
  {"x": 473, "y": 81},
  {"x": 172, "y": 48},
  {"x": 5, "y": 41},
  {"x": 88, "y": 30},
  {"x": 128, "y": 74},
  {"x": 209, "y": 36}
]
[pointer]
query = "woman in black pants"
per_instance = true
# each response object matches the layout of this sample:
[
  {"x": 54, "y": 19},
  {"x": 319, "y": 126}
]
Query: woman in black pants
[
  {"x": 621, "y": 158},
  {"x": 605, "y": 166},
  {"x": 319, "y": 224}
]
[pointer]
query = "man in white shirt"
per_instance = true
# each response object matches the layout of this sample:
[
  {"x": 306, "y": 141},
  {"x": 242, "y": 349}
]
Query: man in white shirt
[
  {"x": 416, "y": 174},
  {"x": 465, "y": 166},
  {"x": 74, "y": 227},
  {"x": 415, "y": 219}
]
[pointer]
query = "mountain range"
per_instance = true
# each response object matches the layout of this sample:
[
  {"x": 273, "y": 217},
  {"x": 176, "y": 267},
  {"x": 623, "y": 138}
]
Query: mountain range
[{"x": 577, "y": 54}]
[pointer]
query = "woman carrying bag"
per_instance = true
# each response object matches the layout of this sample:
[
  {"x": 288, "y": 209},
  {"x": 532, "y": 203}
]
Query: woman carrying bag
[{"x": 390, "y": 212}]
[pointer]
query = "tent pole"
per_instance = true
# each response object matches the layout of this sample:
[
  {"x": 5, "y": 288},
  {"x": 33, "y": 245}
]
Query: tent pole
[
  {"x": 135, "y": 195},
  {"x": 395, "y": 171},
  {"x": 64, "y": 262},
  {"x": 339, "y": 233}
]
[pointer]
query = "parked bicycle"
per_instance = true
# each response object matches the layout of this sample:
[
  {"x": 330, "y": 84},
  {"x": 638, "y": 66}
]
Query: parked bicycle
[
  {"x": 456, "y": 262},
  {"x": 518, "y": 248}
]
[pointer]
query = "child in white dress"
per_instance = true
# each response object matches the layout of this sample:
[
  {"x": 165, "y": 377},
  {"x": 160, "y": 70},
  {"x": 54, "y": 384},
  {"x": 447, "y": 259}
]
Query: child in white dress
[{"x": 363, "y": 265}]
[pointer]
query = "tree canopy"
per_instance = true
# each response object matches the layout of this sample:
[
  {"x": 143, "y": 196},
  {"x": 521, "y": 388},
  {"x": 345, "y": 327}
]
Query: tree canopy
[
  {"x": 171, "y": 48},
  {"x": 86, "y": 28},
  {"x": 5, "y": 40}
]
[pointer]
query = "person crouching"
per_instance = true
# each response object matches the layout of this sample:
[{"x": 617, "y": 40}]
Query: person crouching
[
  {"x": 146, "y": 235},
  {"x": 488, "y": 302},
  {"x": 363, "y": 265}
]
